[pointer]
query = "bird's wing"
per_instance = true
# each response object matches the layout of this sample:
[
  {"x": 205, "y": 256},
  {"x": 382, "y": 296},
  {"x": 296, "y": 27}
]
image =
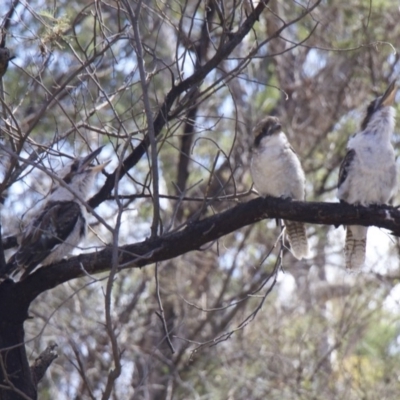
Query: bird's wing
[
  {"x": 345, "y": 166},
  {"x": 52, "y": 227},
  {"x": 292, "y": 149},
  {"x": 296, "y": 155}
]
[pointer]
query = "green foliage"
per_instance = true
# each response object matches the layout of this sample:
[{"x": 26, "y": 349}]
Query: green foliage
[{"x": 320, "y": 333}]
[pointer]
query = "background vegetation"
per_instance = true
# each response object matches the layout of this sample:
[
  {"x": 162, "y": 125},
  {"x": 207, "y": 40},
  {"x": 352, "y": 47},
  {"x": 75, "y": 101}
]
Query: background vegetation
[{"x": 172, "y": 89}]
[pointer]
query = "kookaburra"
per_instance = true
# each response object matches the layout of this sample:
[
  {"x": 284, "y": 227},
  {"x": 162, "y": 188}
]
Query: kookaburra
[
  {"x": 61, "y": 223},
  {"x": 368, "y": 172},
  {"x": 277, "y": 172}
]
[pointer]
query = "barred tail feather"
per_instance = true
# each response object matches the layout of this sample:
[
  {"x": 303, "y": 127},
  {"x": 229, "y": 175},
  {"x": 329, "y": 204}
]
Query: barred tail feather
[
  {"x": 297, "y": 236},
  {"x": 355, "y": 246}
]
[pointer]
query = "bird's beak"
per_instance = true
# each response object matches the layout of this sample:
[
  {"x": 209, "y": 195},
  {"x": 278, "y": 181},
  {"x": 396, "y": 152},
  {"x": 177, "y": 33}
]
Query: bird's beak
[
  {"x": 277, "y": 127},
  {"x": 100, "y": 167},
  {"x": 90, "y": 157},
  {"x": 388, "y": 97}
]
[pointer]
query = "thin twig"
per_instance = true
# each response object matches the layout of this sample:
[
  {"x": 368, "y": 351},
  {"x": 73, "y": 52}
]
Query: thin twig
[
  {"x": 116, "y": 372},
  {"x": 134, "y": 18},
  {"x": 161, "y": 314},
  {"x": 11, "y": 386}
]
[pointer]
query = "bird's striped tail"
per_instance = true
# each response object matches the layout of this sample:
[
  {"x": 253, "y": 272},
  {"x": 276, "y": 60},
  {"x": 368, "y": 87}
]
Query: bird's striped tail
[
  {"x": 297, "y": 236},
  {"x": 355, "y": 246}
]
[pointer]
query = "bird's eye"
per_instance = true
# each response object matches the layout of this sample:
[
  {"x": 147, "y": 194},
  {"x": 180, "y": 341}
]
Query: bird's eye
[
  {"x": 265, "y": 130},
  {"x": 68, "y": 178},
  {"x": 74, "y": 167},
  {"x": 371, "y": 108}
]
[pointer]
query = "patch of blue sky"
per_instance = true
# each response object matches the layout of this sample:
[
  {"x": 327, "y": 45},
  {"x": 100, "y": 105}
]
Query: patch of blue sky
[
  {"x": 314, "y": 63},
  {"x": 186, "y": 61},
  {"x": 392, "y": 301}
]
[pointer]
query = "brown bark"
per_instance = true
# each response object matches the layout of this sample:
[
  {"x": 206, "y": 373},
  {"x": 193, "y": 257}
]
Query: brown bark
[{"x": 198, "y": 233}]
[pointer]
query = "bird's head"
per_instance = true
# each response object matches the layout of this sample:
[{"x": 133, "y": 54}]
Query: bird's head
[
  {"x": 79, "y": 174},
  {"x": 266, "y": 127},
  {"x": 380, "y": 104}
]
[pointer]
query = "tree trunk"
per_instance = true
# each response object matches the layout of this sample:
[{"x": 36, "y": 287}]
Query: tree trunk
[{"x": 15, "y": 373}]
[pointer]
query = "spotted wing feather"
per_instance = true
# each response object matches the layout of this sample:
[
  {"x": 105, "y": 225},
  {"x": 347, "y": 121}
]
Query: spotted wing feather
[
  {"x": 47, "y": 231},
  {"x": 345, "y": 166}
]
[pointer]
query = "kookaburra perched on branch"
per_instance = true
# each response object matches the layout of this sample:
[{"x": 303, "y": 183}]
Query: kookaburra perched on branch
[
  {"x": 277, "y": 172},
  {"x": 368, "y": 172},
  {"x": 61, "y": 224}
]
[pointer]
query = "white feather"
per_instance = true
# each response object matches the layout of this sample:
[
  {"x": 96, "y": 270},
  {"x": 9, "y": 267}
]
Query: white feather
[
  {"x": 371, "y": 177},
  {"x": 277, "y": 172}
]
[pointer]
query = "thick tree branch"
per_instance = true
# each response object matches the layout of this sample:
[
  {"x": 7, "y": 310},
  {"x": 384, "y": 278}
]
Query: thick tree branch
[
  {"x": 199, "y": 233},
  {"x": 40, "y": 365}
]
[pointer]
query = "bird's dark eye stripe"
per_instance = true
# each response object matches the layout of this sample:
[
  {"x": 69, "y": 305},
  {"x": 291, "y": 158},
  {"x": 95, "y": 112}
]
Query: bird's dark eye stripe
[
  {"x": 267, "y": 129},
  {"x": 68, "y": 178},
  {"x": 370, "y": 110},
  {"x": 74, "y": 167}
]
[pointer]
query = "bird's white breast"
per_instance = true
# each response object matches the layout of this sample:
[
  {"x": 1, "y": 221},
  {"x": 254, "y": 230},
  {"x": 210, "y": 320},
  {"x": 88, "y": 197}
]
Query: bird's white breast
[
  {"x": 276, "y": 170},
  {"x": 372, "y": 177}
]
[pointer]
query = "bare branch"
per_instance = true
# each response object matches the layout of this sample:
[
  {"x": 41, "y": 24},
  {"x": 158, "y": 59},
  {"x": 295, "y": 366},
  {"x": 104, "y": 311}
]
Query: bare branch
[
  {"x": 205, "y": 231},
  {"x": 134, "y": 18},
  {"x": 40, "y": 365},
  {"x": 161, "y": 314}
]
